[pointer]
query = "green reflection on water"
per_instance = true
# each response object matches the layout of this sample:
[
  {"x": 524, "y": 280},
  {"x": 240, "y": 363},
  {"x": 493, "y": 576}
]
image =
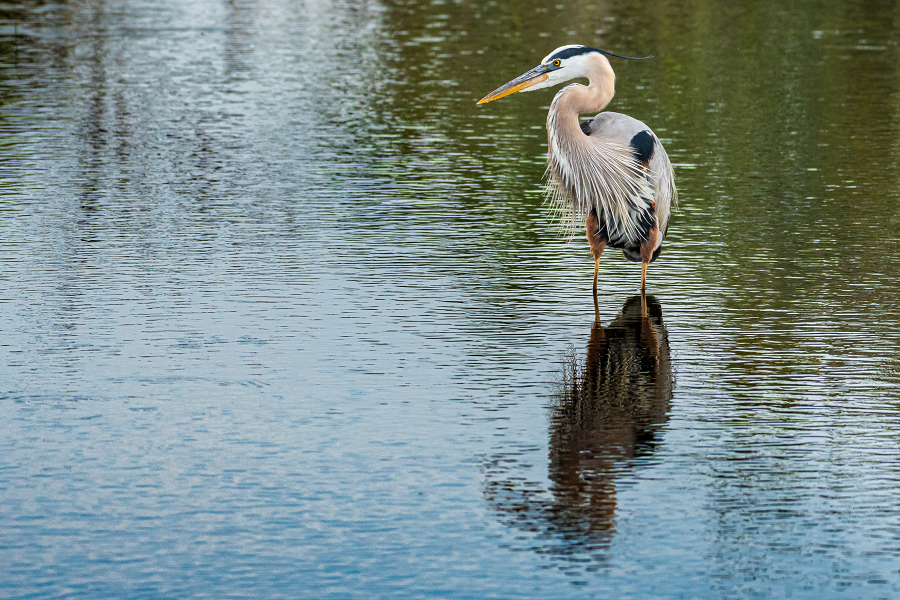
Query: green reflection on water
[{"x": 782, "y": 120}]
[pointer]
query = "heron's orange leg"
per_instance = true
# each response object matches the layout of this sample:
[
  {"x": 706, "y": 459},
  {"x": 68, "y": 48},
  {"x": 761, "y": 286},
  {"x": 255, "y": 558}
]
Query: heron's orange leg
[
  {"x": 647, "y": 248},
  {"x": 592, "y": 225}
]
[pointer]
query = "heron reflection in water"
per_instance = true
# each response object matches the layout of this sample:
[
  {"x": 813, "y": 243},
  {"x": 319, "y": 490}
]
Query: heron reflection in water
[
  {"x": 610, "y": 170},
  {"x": 607, "y": 415}
]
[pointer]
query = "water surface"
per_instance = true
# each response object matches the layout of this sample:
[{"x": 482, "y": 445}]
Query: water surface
[{"x": 283, "y": 314}]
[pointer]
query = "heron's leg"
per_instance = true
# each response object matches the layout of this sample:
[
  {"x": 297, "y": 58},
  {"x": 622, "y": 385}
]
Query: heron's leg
[
  {"x": 597, "y": 241},
  {"x": 647, "y": 248}
]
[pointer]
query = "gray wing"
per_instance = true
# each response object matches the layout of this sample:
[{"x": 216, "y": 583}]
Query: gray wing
[
  {"x": 664, "y": 186},
  {"x": 647, "y": 150}
]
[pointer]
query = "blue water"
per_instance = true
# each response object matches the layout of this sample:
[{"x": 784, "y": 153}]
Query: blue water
[{"x": 283, "y": 315}]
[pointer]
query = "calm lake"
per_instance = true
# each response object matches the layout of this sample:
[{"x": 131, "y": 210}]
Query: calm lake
[{"x": 283, "y": 314}]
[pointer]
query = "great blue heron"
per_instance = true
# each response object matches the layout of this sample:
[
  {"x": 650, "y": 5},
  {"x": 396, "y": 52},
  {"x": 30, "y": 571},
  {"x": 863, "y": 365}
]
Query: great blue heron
[{"x": 612, "y": 169}]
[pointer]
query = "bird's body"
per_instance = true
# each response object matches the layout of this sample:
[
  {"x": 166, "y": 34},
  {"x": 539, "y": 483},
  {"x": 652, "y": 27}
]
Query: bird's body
[{"x": 611, "y": 170}]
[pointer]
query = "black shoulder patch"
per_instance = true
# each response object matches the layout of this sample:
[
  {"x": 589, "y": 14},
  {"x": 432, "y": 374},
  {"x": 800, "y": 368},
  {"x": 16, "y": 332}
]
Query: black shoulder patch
[
  {"x": 586, "y": 127},
  {"x": 642, "y": 147},
  {"x": 570, "y": 52}
]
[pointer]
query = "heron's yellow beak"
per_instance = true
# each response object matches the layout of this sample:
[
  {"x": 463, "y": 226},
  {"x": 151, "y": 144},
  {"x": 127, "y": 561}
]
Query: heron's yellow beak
[{"x": 524, "y": 81}]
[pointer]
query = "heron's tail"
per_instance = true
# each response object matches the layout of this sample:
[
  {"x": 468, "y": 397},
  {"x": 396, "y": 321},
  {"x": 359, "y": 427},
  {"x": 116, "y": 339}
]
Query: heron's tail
[{"x": 633, "y": 253}]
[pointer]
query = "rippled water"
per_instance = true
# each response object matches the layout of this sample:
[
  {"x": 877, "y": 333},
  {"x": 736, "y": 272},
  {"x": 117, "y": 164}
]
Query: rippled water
[{"x": 283, "y": 315}]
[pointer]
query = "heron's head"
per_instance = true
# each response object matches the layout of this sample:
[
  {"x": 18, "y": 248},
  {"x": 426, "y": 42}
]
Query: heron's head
[{"x": 563, "y": 64}]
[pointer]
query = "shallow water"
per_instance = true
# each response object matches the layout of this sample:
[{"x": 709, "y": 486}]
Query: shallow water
[{"x": 283, "y": 314}]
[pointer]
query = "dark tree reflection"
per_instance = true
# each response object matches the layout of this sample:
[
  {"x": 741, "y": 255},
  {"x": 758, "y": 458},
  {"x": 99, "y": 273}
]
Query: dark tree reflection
[{"x": 608, "y": 410}]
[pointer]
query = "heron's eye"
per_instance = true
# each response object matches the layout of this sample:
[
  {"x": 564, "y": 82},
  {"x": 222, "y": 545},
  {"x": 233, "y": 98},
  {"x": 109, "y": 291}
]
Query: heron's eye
[{"x": 556, "y": 63}]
